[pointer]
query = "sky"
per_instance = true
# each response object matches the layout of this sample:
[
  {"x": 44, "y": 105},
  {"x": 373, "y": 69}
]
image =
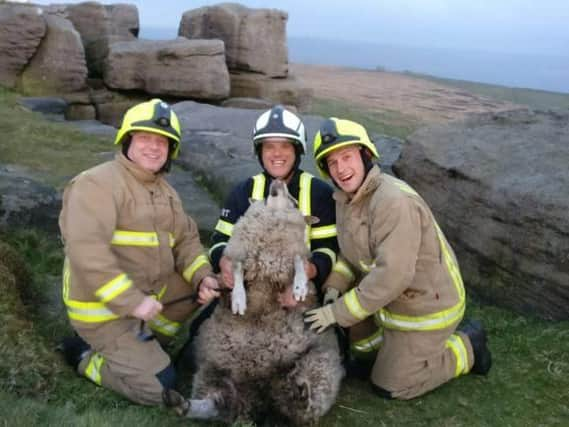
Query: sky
[{"x": 513, "y": 26}]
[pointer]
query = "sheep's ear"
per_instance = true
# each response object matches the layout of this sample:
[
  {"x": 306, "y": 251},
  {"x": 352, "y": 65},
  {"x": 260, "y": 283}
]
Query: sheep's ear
[{"x": 309, "y": 219}]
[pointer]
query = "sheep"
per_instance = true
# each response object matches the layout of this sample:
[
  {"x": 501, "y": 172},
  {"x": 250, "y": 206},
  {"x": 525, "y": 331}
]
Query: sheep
[{"x": 255, "y": 360}]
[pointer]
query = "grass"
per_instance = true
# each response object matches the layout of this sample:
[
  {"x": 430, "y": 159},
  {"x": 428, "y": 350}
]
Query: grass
[
  {"x": 53, "y": 151},
  {"x": 528, "y": 384},
  {"x": 537, "y": 99},
  {"x": 391, "y": 123}
]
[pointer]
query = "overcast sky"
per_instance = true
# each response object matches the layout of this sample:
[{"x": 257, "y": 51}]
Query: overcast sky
[{"x": 516, "y": 26}]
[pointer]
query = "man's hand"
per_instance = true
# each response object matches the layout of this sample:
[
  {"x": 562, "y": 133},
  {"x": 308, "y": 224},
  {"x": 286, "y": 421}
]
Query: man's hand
[
  {"x": 310, "y": 269},
  {"x": 320, "y": 319},
  {"x": 226, "y": 267},
  {"x": 207, "y": 290},
  {"x": 147, "y": 309}
]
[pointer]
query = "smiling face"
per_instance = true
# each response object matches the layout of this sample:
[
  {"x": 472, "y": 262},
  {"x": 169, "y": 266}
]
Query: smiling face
[
  {"x": 148, "y": 150},
  {"x": 278, "y": 157},
  {"x": 346, "y": 168}
]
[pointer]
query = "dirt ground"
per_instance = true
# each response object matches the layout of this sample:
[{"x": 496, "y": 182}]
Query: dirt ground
[{"x": 419, "y": 99}]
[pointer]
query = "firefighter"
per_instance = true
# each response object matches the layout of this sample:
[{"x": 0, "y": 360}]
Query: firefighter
[
  {"x": 130, "y": 249},
  {"x": 279, "y": 142},
  {"x": 408, "y": 297}
]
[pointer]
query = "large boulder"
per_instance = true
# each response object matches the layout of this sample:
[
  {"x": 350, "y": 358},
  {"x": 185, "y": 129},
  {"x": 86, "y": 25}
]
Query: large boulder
[
  {"x": 217, "y": 145},
  {"x": 21, "y": 31},
  {"x": 181, "y": 67},
  {"x": 255, "y": 39},
  {"x": 59, "y": 64},
  {"x": 100, "y": 26},
  {"x": 289, "y": 91},
  {"x": 25, "y": 201},
  {"x": 498, "y": 185}
]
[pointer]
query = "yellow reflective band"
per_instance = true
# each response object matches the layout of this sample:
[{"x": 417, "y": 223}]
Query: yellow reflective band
[
  {"x": 135, "y": 238},
  {"x": 328, "y": 252},
  {"x": 405, "y": 187},
  {"x": 366, "y": 268},
  {"x": 369, "y": 344},
  {"x": 224, "y": 227},
  {"x": 342, "y": 268},
  {"x": 323, "y": 232},
  {"x": 458, "y": 348},
  {"x": 354, "y": 306},
  {"x": 113, "y": 288},
  {"x": 440, "y": 320},
  {"x": 93, "y": 369},
  {"x": 171, "y": 240},
  {"x": 258, "y": 192},
  {"x": 88, "y": 312},
  {"x": 305, "y": 184},
  {"x": 164, "y": 326},
  {"x": 189, "y": 272}
]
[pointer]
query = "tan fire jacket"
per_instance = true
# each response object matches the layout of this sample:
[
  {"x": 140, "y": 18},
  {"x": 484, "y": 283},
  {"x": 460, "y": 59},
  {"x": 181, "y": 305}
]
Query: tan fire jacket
[
  {"x": 125, "y": 233},
  {"x": 408, "y": 274}
]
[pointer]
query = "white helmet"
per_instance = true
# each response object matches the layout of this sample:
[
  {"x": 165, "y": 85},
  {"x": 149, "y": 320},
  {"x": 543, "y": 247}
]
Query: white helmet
[{"x": 279, "y": 123}]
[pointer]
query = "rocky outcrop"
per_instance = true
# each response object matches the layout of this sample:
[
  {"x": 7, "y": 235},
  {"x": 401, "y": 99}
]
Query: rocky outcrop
[
  {"x": 180, "y": 67},
  {"x": 100, "y": 26},
  {"x": 255, "y": 39},
  {"x": 498, "y": 185},
  {"x": 58, "y": 66},
  {"x": 21, "y": 31}
]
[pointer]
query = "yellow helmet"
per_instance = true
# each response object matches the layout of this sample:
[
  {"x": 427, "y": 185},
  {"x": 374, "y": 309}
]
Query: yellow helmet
[
  {"x": 337, "y": 133},
  {"x": 154, "y": 116}
]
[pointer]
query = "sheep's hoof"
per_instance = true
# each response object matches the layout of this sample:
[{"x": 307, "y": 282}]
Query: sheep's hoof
[{"x": 173, "y": 399}]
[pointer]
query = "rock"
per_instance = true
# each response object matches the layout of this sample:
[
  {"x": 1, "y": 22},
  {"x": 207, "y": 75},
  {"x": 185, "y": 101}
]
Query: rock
[
  {"x": 59, "y": 63},
  {"x": 180, "y": 67},
  {"x": 21, "y": 31},
  {"x": 100, "y": 26},
  {"x": 289, "y": 91},
  {"x": 25, "y": 202},
  {"x": 498, "y": 185},
  {"x": 251, "y": 103},
  {"x": 255, "y": 39},
  {"x": 44, "y": 105},
  {"x": 80, "y": 112}
]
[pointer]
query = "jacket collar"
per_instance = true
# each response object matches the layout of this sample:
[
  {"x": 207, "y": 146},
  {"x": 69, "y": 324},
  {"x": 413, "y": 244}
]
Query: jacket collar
[
  {"x": 371, "y": 182},
  {"x": 139, "y": 173}
]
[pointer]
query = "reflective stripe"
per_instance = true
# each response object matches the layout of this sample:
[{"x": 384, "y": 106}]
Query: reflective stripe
[
  {"x": 198, "y": 262},
  {"x": 323, "y": 232},
  {"x": 305, "y": 183},
  {"x": 89, "y": 312},
  {"x": 342, "y": 268},
  {"x": 113, "y": 288},
  {"x": 139, "y": 238},
  {"x": 214, "y": 247},
  {"x": 93, "y": 369},
  {"x": 331, "y": 254},
  {"x": 369, "y": 344},
  {"x": 258, "y": 192},
  {"x": 164, "y": 326},
  {"x": 224, "y": 227},
  {"x": 354, "y": 306},
  {"x": 366, "y": 268},
  {"x": 458, "y": 348},
  {"x": 434, "y": 321}
]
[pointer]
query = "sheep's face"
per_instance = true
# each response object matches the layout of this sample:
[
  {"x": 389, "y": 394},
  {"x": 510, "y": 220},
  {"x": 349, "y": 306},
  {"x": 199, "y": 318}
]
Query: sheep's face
[{"x": 279, "y": 197}]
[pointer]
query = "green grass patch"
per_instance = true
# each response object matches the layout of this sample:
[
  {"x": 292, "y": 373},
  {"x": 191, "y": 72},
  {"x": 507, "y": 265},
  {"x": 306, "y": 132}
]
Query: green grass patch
[
  {"x": 391, "y": 123},
  {"x": 528, "y": 384},
  {"x": 54, "y": 151},
  {"x": 537, "y": 99}
]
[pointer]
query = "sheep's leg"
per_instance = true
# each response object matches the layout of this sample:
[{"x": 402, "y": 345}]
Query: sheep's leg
[
  {"x": 300, "y": 283},
  {"x": 238, "y": 295},
  {"x": 200, "y": 409}
]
